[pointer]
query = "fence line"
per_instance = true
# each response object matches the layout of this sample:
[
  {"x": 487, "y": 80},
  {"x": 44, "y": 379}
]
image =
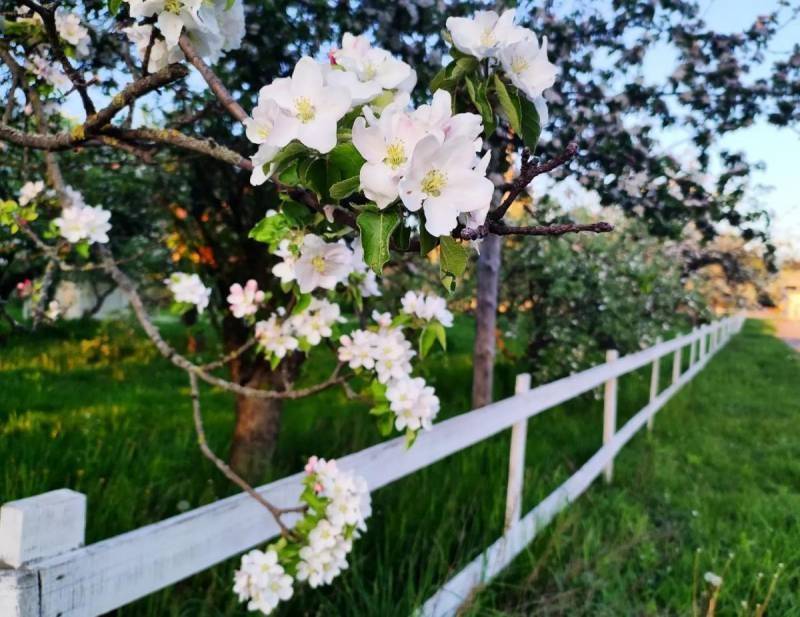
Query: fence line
[{"x": 50, "y": 574}]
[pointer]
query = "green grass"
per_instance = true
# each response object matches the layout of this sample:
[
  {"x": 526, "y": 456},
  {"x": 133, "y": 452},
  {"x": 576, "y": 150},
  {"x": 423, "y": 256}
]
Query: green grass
[{"x": 111, "y": 419}]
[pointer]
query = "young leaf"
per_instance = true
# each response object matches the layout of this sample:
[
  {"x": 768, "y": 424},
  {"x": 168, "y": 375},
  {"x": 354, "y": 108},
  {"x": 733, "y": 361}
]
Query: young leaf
[
  {"x": 509, "y": 103},
  {"x": 344, "y": 161},
  {"x": 376, "y": 230},
  {"x": 452, "y": 261},
  {"x": 270, "y": 230},
  {"x": 345, "y": 188},
  {"x": 531, "y": 125},
  {"x": 427, "y": 241},
  {"x": 113, "y": 6},
  {"x": 426, "y": 340},
  {"x": 463, "y": 66},
  {"x": 386, "y": 424},
  {"x": 441, "y": 335}
]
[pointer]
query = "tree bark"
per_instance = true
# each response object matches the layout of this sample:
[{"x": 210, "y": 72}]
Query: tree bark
[
  {"x": 486, "y": 320},
  {"x": 257, "y": 421}
]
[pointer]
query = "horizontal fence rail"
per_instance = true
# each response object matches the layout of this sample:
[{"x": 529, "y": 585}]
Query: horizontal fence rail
[{"x": 46, "y": 571}]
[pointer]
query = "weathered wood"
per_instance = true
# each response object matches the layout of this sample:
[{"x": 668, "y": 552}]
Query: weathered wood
[
  {"x": 655, "y": 375},
  {"x": 41, "y": 526},
  {"x": 461, "y": 587},
  {"x": 610, "y": 412},
  {"x": 516, "y": 459},
  {"x": 19, "y": 593},
  {"x": 99, "y": 578}
]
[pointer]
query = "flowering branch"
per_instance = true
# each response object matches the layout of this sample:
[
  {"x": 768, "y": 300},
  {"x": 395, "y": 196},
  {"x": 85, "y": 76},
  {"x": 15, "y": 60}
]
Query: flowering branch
[{"x": 48, "y": 16}]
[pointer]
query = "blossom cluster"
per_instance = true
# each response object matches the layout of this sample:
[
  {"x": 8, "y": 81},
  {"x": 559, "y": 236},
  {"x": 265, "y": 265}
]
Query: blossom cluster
[
  {"x": 304, "y": 329},
  {"x": 426, "y": 307},
  {"x": 338, "y": 504},
  {"x": 487, "y": 35},
  {"x": 388, "y": 353},
  {"x": 245, "y": 300},
  {"x": 316, "y": 264},
  {"x": 78, "y": 221},
  {"x": 213, "y": 26},
  {"x": 70, "y": 30},
  {"x": 189, "y": 289}
]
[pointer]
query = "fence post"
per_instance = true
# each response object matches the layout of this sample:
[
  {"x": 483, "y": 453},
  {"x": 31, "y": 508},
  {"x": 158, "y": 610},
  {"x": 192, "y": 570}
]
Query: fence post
[
  {"x": 703, "y": 347},
  {"x": 692, "y": 351},
  {"x": 31, "y": 528},
  {"x": 676, "y": 365},
  {"x": 516, "y": 459},
  {"x": 610, "y": 412},
  {"x": 655, "y": 373}
]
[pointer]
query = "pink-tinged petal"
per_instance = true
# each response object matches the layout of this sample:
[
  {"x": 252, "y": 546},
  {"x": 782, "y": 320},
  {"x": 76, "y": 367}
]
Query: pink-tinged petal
[
  {"x": 368, "y": 141},
  {"x": 307, "y": 79},
  {"x": 410, "y": 194},
  {"x": 279, "y": 91},
  {"x": 378, "y": 184}
]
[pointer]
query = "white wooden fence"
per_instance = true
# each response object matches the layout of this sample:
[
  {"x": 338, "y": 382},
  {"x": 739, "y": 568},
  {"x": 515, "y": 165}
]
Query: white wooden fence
[{"x": 45, "y": 571}]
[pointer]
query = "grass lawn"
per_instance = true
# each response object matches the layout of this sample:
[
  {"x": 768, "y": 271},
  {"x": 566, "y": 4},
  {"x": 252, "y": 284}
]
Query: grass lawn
[{"x": 95, "y": 409}]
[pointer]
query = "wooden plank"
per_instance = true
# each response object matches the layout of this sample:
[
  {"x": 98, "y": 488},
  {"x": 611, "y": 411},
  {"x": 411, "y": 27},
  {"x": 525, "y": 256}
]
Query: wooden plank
[
  {"x": 114, "y": 572},
  {"x": 655, "y": 375},
  {"x": 40, "y": 526},
  {"x": 610, "y": 412},
  {"x": 19, "y": 593},
  {"x": 516, "y": 459},
  {"x": 461, "y": 587}
]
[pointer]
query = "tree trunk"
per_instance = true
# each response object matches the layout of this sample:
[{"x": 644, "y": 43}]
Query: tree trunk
[
  {"x": 486, "y": 320},
  {"x": 258, "y": 421}
]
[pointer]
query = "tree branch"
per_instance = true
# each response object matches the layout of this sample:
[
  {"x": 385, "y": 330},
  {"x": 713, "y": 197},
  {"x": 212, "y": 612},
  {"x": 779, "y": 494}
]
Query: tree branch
[
  {"x": 214, "y": 82},
  {"x": 499, "y": 228},
  {"x": 528, "y": 172},
  {"x": 229, "y": 473}
]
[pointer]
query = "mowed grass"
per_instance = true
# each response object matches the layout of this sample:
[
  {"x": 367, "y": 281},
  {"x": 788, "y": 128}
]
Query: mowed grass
[{"x": 93, "y": 408}]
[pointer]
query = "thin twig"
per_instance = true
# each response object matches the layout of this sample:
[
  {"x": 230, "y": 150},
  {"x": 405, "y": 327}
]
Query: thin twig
[
  {"x": 229, "y": 473},
  {"x": 214, "y": 82},
  {"x": 528, "y": 172}
]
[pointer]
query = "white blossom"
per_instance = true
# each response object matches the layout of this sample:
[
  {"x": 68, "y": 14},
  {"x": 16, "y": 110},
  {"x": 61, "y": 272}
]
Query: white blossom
[
  {"x": 309, "y": 110},
  {"x": 446, "y": 180},
  {"x": 160, "y": 56},
  {"x": 189, "y": 288},
  {"x": 284, "y": 269},
  {"x": 358, "y": 349},
  {"x": 81, "y": 222},
  {"x": 527, "y": 66},
  {"x": 263, "y": 581},
  {"x": 245, "y": 300},
  {"x": 53, "y": 310},
  {"x": 427, "y": 307},
  {"x": 69, "y": 28},
  {"x": 366, "y": 71},
  {"x": 414, "y": 403},
  {"x": 321, "y": 264},
  {"x": 316, "y": 322},
  {"x": 275, "y": 338},
  {"x": 30, "y": 191},
  {"x": 484, "y": 34},
  {"x": 712, "y": 579}
]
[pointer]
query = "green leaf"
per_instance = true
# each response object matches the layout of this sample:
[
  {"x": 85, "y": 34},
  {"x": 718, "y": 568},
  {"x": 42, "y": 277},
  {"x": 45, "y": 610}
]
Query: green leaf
[
  {"x": 271, "y": 229},
  {"x": 509, "y": 104},
  {"x": 82, "y": 249},
  {"x": 380, "y": 410},
  {"x": 303, "y": 300},
  {"x": 427, "y": 241},
  {"x": 345, "y": 188},
  {"x": 385, "y": 424},
  {"x": 113, "y": 6},
  {"x": 344, "y": 161},
  {"x": 441, "y": 335},
  {"x": 438, "y": 79},
  {"x": 531, "y": 125},
  {"x": 296, "y": 213},
  {"x": 452, "y": 261},
  {"x": 411, "y": 437},
  {"x": 376, "y": 230},
  {"x": 463, "y": 66},
  {"x": 479, "y": 97},
  {"x": 426, "y": 340}
]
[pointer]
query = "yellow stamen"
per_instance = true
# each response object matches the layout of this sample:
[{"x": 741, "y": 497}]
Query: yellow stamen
[
  {"x": 395, "y": 155},
  {"x": 173, "y": 6},
  {"x": 487, "y": 38},
  {"x": 433, "y": 183},
  {"x": 305, "y": 109},
  {"x": 519, "y": 64},
  {"x": 319, "y": 263}
]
